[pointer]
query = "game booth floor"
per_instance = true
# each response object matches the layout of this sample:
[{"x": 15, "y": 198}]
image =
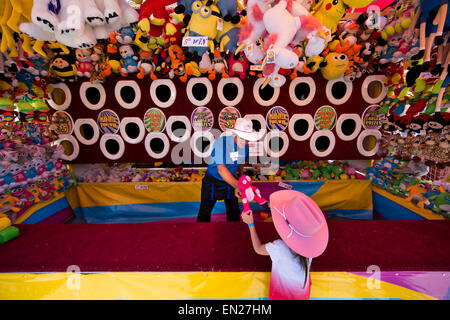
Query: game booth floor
[{"x": 389, "y": 255}]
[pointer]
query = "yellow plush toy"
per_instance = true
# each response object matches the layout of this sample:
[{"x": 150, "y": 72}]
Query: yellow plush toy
[
  {"x": 7, "y": 34},
  {"x": 334, "y": 66},
  {"x": 203, "y": 23},
  {"x": 329, "y": 12},
  {"x": 21, "y": 12}
]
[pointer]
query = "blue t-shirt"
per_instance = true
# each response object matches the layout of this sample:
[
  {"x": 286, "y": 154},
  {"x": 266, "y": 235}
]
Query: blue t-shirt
[{"x": 226, "y": 152}]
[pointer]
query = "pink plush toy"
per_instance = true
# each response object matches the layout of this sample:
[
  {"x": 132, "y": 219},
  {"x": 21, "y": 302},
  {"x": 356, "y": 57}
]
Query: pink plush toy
[
  {"x": 249, "y": 193},
  {"x": 285, "y": 22},
  {"x": 253, "y": 30},
  {"x": 84, "y": 62},
  {"x": 238, "y": 65}
]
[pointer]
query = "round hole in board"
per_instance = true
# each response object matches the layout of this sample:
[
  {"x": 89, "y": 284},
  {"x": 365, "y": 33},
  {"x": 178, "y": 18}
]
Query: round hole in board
[
  {"x": 93, "y": 95},
  {"x": 58, "y": 96},
  {"x": 202, "y": 144},
  {"x": 322, "y": 143},
  {"x": 132, "y": 130},
  {"x": 157, "y": 145},
  {"x": 348, "y": 127},
  {"x": 128, "y": 94},
  {"x": 302, "y": 90},
  {"x": 256, "y": 125},
  {"x": 369, "y": 142},
  {"x": 68, "y": 147},
  {"x": 339, "y": 89},
  {"x": 266, "y": 93},
  {"x": 178, "y": 128},
  {"x": 163, "y": 93},
  {"x": 87, "y": 132},
  {"x": 301, "y": 127},
  {"x": 112, "y": 146},
  {"x": 374, "y": 89},
  {"x": 230, "y": 91},
  {"x": 276, "y": 144},
  {"x": 199, "y": 91}
]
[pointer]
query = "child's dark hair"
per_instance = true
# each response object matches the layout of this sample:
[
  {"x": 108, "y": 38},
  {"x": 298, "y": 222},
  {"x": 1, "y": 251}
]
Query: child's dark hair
[{"x": 304, "y": 263}]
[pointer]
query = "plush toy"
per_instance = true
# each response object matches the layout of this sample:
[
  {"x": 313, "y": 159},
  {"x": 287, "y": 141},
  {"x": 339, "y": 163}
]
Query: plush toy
[
  {"x": 113, "y": 60},
  {"x": 203, "y": 23},
  {"x": 219, "y": 66},
  {"x": 8, "y": 203},
  {"x": 249, "y": 193},
  {"x": 432, "y": 18},
  {"x": 330, "y": 12},
  {"x": 64, "y": 67},
  {"x": 238, "y": 65},
  {"x": 416, "y": 192},
  {"x": 98, "y": 58},
  {"x": 155, "y": 19},
  {"x": 253, "y": 30},
  {"x": 227, "y": 37},
  {"x": 84, "y": 62},
  {"x": 77, "y": 24},
  {"x": 125, "y": 35},
  {"x": 129, "y": 60},
  {"x": 192, "y": 69},
  {"x": 286, "y": 27},
  {"x": 205, "y": 65},
  {"x": 177, "y": 59},
  {"x": 228, "y": 9},
  {"x": 441, "y": 202},
  {"x": 146, "y": 65},
  {"x": 334, "y": 65},
  {"x": 162, "y": 63},
  {"x": 185, "y": 7}
]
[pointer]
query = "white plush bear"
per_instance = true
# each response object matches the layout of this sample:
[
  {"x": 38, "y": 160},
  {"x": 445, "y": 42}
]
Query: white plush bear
[{"x": 78, "y": 23}]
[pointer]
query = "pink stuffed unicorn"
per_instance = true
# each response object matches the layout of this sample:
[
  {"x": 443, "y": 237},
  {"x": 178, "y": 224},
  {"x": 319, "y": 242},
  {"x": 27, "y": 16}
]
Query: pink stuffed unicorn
[
  {"x": 287, "y": 23},
  {"x": 253, "y": 30},
  {"x": 249, "y": 193}
]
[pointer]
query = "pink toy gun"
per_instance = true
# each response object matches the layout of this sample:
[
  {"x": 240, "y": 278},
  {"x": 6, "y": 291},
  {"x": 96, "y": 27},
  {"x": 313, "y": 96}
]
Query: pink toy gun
[{"x": 249, "y": 193}]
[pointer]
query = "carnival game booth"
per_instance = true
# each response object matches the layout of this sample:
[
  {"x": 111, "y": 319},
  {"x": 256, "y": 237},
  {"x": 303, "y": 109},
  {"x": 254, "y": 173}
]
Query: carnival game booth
[{"x": 351, "y": 109}]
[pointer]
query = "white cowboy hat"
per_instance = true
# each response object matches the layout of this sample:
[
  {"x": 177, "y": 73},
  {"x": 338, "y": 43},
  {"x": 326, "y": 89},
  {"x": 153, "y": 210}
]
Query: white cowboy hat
[{"x": 243, "y": 128}]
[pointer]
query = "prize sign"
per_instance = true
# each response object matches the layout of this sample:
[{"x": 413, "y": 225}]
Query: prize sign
[
  {"x": 228, "y": 117},
  {"x": 202, "y": 119},
  {"x": 371, "y": 119},
  {"x": 108, "y": 121},
  {"x": 277, "y": 119},
  {"x": 154, "y": 120},
  {"x": 62, "y": 122},
  {"x": 325, "y": 118}
]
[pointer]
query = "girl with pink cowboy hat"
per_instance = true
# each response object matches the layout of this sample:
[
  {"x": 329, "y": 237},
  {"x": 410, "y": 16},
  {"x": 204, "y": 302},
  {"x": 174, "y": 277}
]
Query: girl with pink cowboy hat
[{"x": 304, "y": 235}]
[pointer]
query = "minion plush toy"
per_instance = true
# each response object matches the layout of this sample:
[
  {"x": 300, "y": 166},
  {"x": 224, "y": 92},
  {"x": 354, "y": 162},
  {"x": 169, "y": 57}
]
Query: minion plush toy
[
  {"x": 334, "y": 66},
  {"x": 203, "y": 23}
]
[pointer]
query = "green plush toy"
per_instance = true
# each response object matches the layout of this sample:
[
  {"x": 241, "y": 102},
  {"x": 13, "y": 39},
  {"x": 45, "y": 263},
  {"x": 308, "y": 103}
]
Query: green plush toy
[
  {"x": 8, "y": 234},
  {"x": 336, "y": 171}
]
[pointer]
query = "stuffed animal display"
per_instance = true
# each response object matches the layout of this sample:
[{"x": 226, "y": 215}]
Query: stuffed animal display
[
  {"x": 49, "y": 41},
  {"x": 31, "y": 169},
  {"x": 408, "y": 40},
  {"x": 405, "y": 179}
]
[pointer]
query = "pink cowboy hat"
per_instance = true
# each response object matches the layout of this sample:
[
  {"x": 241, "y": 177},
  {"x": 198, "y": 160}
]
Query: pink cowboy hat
[{"x": 299, "y": 222}]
